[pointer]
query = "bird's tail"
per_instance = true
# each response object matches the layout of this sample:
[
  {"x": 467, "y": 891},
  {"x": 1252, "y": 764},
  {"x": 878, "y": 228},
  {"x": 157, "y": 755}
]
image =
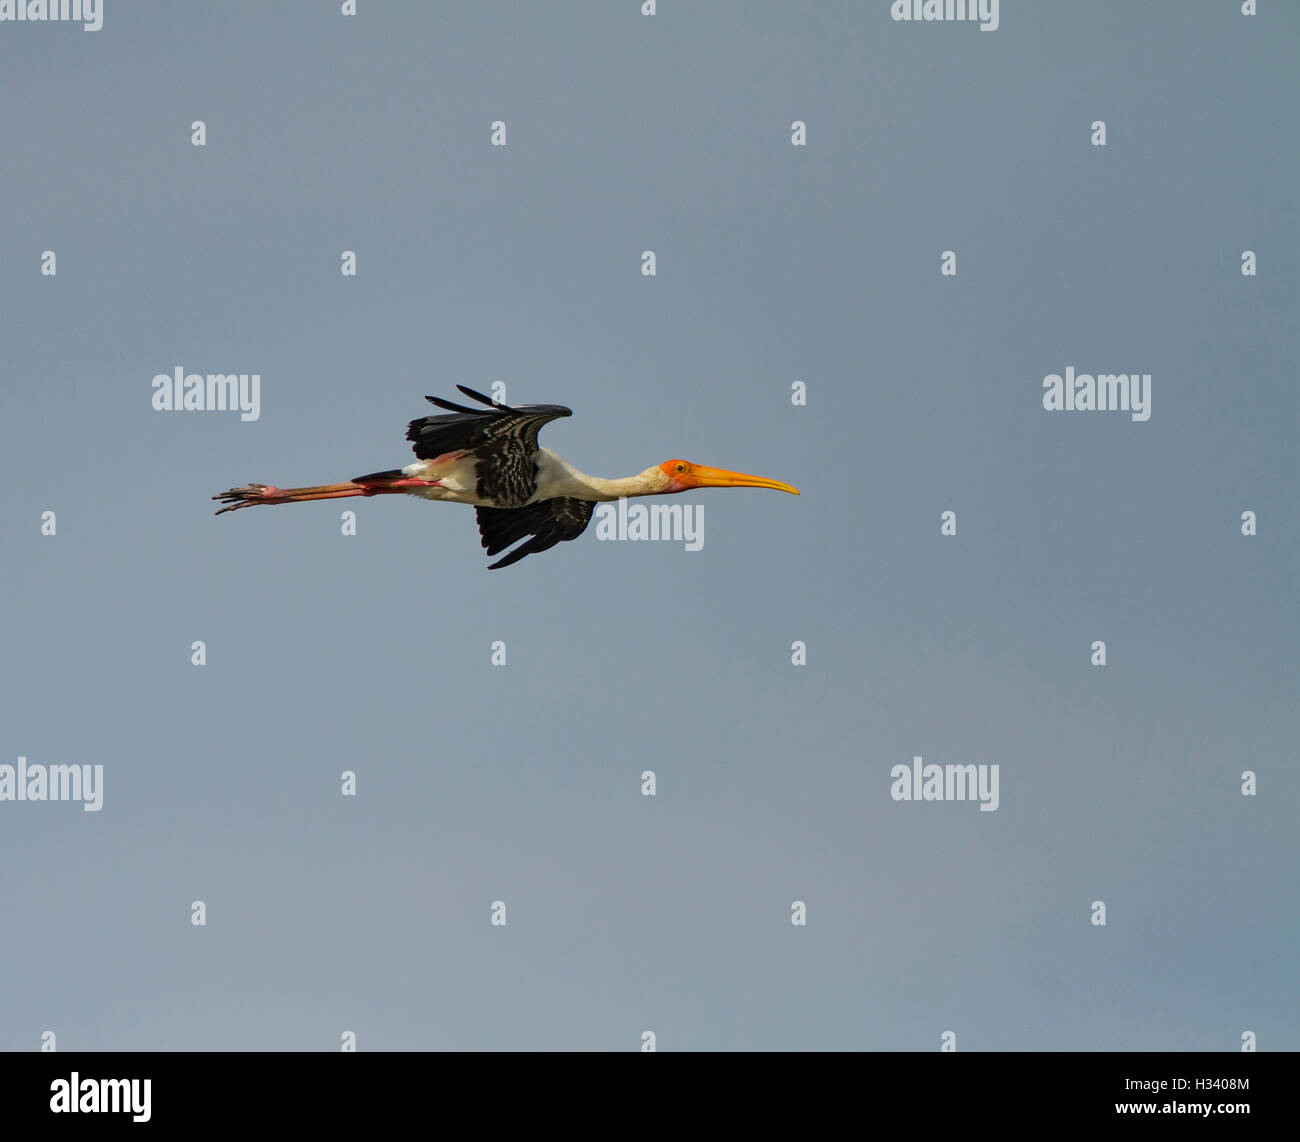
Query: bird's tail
[{"x": 379, "y": 477}]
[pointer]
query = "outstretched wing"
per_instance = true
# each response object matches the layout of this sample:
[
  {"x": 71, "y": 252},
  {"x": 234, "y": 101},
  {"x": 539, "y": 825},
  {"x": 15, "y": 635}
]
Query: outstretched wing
[
  {"x": 502, "y": 439},
  {"x": 548, "y": 522}
]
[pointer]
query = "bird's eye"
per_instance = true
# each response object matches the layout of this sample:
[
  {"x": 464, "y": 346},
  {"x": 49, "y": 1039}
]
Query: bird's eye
[{"x": 681, "y": 468}]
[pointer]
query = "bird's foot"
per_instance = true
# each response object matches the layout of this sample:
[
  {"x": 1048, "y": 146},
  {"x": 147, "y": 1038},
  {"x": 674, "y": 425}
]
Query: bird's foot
[{"x": 248, "y": 496}]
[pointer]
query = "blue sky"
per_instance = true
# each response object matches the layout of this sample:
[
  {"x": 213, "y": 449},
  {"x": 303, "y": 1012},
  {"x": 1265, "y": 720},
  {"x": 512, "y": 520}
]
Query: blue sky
[{"x": 522, "y": 783}]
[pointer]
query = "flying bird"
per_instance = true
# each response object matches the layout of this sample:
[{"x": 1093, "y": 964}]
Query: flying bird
[{"x": 489, "y": 458}]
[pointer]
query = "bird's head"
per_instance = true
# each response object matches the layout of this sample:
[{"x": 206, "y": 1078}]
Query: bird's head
[{"x": 682, "y": 476}]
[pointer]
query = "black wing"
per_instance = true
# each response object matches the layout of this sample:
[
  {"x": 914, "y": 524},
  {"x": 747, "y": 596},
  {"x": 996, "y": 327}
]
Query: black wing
[
  {"x": 503, "y": 440},
  {"x": 548, "y": 522}
]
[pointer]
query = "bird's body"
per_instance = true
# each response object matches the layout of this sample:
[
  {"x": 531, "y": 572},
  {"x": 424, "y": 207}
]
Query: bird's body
[
  {"x": 489, "y": 458},
  {"x": 454, "y": 477}
]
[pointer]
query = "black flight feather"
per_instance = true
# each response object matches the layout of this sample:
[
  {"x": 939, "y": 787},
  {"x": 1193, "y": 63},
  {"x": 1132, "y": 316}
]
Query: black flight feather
[{"x": 548, "y": 522}]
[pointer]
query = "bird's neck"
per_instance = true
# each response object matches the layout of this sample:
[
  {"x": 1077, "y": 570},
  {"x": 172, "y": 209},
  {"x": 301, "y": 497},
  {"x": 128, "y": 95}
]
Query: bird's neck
[{"x": 560, "y": 478}]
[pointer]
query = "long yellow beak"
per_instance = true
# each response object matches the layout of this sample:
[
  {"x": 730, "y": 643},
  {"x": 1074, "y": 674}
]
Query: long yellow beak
[{"x": 702, "y": 477}]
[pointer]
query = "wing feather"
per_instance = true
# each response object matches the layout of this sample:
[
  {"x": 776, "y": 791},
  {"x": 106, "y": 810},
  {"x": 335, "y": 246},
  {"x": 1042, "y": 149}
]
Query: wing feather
[
  {"x": 548, "y": 522},
  {"x": 503, "y": 440}
]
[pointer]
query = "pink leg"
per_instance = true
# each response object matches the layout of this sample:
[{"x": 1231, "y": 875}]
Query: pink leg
[{"x": 251, "y": 495}]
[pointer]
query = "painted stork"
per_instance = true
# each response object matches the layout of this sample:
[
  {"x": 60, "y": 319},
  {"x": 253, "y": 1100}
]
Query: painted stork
[{"x": 489, "y": 458}]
